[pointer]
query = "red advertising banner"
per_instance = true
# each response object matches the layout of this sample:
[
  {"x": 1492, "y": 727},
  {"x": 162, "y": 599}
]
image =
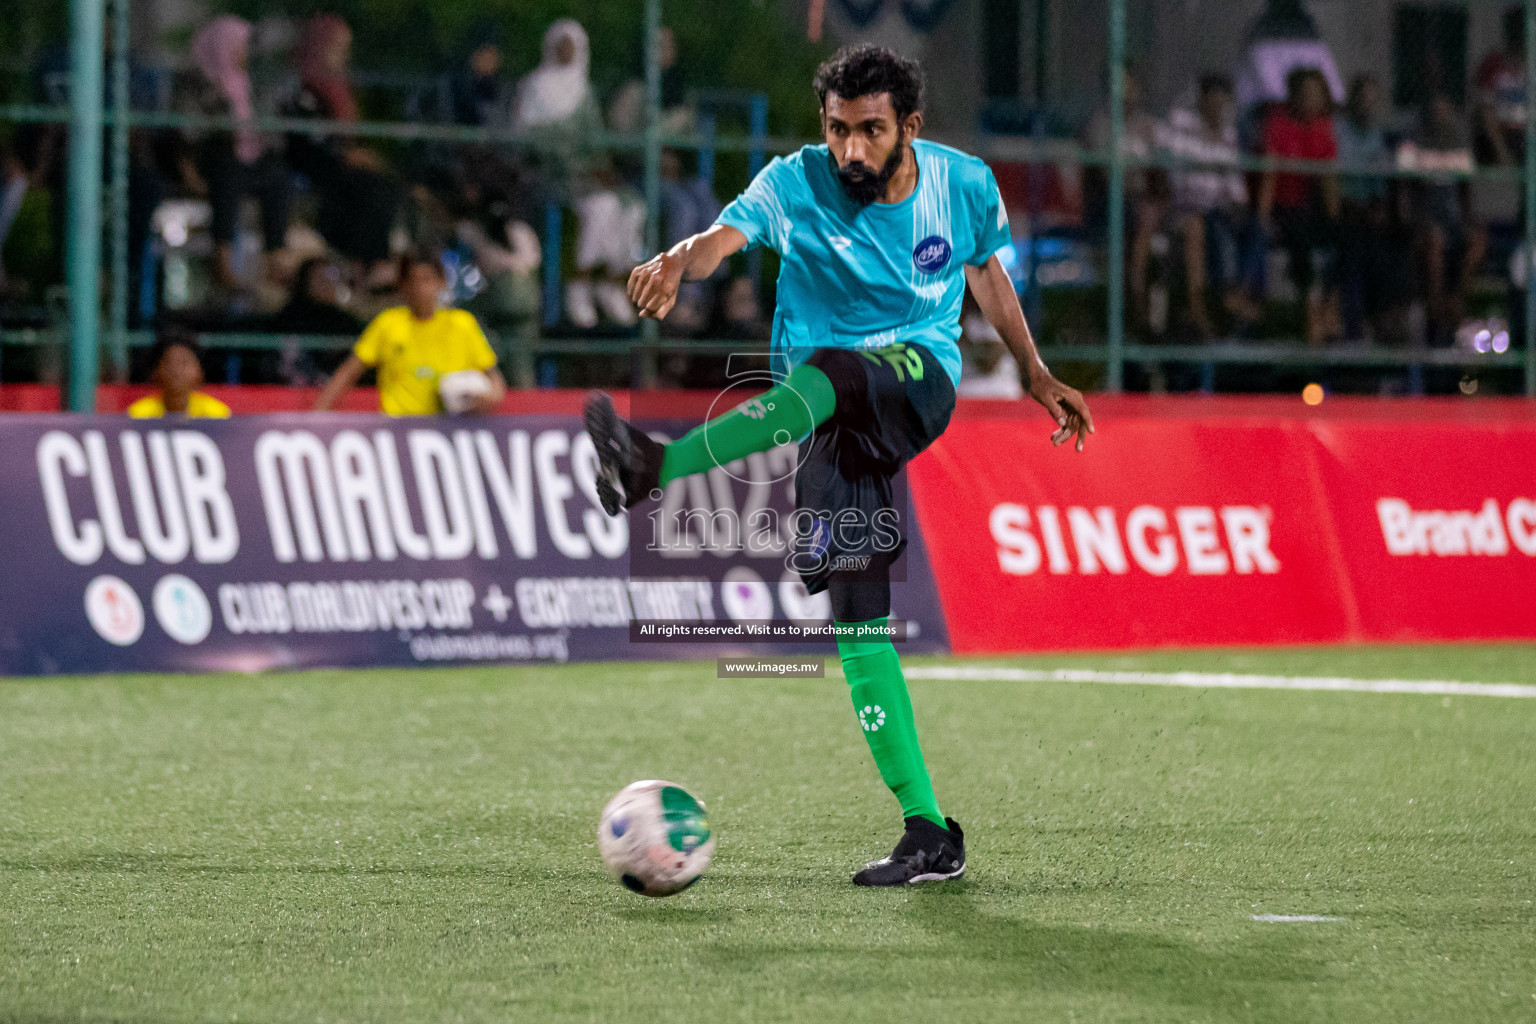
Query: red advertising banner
[{"x": 1233, "y": 521}]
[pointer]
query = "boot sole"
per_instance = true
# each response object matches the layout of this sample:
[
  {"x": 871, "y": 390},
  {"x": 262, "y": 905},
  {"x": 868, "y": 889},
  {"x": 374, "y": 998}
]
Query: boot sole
[
  {"x": 936, "y": 876},
  {"x": 612, "y": 443}
]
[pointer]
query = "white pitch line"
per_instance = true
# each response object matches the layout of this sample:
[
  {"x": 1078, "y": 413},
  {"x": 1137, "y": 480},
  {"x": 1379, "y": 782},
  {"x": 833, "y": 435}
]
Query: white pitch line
[
  {"x": 1293, "y": 918},
  {"x": 1222, "y": 680}
]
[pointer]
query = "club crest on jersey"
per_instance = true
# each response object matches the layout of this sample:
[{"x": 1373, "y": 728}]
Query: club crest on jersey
[{"x": 931, "y": 254}]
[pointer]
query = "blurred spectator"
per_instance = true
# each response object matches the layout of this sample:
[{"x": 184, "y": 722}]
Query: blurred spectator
[
  {"x": 146, "y": 177},
  {"x": 1210, "y": 207},
  {"x": 176, "y": 371},
  {"x": 557, "y": 109},
  {"x": 358, "y": 199},
  {"x": 627, "y": 111},
  {"x": 1281, "y": 39},
  {"x": 508, "y": 255},
  {"x": 1302, "y": 211},
  {"x": 1146, "y": 190},
  {"x": 318, "y": 303},
  {"x": 988, "y": 369},
  {"x": 416, "y": 344},
  {"x": 1453, "y": 242},
  {"x": 14, "y": 182},
  {"x": 1375, "y": 278},
  {"x": 1501, "y": 96},
  {"x": 226, "y": 166},
  {"x": 480, "y": 94},
  {"x": 688, "y": 203}
]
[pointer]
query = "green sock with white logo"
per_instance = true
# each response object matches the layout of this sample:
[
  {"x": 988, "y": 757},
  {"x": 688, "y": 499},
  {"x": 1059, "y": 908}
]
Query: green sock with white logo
[
  {"x": 785, "y": 412},
  {"x": 880, "y": 698}
]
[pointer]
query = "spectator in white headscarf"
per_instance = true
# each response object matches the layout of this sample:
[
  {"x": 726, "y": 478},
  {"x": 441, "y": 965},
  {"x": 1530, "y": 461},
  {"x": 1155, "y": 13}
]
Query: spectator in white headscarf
[{"x": 557, "y": 109}]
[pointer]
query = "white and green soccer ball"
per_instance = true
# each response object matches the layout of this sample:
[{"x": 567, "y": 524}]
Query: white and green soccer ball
[{"x": 655, "y": 838}]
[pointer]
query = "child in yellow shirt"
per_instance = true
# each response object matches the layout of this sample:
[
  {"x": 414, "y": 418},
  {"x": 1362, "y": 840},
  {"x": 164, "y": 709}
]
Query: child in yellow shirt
[
  {"x": 177, "y": 374},
  {"x": 415, "y": 345}
]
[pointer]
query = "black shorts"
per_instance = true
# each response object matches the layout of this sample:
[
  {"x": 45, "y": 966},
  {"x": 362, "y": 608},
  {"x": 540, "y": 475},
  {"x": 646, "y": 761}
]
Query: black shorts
[{"x": 852, "y": 513}]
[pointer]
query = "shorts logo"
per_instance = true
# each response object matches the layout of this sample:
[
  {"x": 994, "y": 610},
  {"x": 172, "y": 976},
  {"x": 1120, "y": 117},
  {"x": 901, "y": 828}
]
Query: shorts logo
[
  {"x": 819, "y": 540},
  {"x": 931, "y": 254}
]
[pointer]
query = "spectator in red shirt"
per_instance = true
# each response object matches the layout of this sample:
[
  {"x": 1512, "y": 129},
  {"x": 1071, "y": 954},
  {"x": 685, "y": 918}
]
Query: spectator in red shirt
[{"x": 1301, "y": 211}]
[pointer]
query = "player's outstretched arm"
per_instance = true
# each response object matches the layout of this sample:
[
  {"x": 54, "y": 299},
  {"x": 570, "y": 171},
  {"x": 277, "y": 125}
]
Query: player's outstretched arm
[
  {"x": 1000, "y": 304},
  {"x": 343, "y": 380},
  {"x": 653, "y": 284}
]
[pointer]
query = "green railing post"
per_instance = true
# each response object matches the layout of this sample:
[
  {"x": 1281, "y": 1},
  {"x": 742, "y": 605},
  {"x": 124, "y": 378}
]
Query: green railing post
[
  {"x": 1530, "y": 198},
  {"x": 649, "y": 330},
  {"x": 84, "y": 222},
  {"x": 119, "y": 207},
  {"x": 1116, "y": 196}
]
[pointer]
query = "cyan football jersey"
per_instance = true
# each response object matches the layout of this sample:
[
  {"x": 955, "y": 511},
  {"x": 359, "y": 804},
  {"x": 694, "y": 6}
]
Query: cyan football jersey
[{"x": 865, "y": 276}]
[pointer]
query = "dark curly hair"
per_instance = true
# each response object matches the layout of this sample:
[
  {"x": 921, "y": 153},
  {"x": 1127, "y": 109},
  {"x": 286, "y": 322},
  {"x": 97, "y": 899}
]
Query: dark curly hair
[
  {"x": 867, "y": 70},
  {"x": 169, "y": 335}
]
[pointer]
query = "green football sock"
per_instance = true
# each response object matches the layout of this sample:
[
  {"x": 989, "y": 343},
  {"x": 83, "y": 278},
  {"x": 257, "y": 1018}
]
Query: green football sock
[
  {"x": 785, "y": 412},
  {"x": 885, "y": 711}
]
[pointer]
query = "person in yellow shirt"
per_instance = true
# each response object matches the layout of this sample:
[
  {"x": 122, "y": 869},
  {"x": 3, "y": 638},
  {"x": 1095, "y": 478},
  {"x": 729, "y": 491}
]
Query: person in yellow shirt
[
  {"x": 177, "y": 374},
  {"x": 413, "y": 346}
]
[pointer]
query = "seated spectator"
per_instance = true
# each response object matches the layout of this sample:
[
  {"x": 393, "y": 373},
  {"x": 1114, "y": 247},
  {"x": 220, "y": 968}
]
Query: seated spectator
[
  {"x": 627, "y": 111},
  {"x": 14, "y": 183},
  {"x": 227, "y": 166},
  {"x": 177, "y": 373},
  {"x": 317, "y": 304},
  {"x": 988, "y": 369},
  {"x": 1210, "y": 207},
  {"x": 1280, "y": 40},
  {"x": 1375, "y": 278},
  {"x": 1302, "y": 211},
  {"x": 480, "y": 95},
  {"x": 415, "y": 345},
  {"x": 558, "y": 111},
  {"x": 358, "y": 199},
  {"x": 1146, "y": 190},
  {"x": 688, "y": 203},
  {"x": 1453, "y": 243},
  {"x": 1501, "y": 96},
  {"x": 508, "y": 256}
]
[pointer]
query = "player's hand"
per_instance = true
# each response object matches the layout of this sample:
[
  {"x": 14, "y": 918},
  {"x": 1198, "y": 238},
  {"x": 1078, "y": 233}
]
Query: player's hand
[
  {"x": 1066, "y": 406},
  {"x": 653, "y": 285}
]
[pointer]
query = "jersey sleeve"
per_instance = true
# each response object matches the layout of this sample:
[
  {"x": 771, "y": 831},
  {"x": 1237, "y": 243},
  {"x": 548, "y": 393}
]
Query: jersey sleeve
[
  {"x": 762, "y": 211},
  {"x": 481, "y": 355},
  {"x": 992, "y": 229},
  {"x": 367, "y": 347}
]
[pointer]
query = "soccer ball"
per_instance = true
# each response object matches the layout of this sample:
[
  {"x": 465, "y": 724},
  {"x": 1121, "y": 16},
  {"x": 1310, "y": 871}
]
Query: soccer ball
[
  {"x": 655, "y": 838},
  {"x": 460, "y": 390}
]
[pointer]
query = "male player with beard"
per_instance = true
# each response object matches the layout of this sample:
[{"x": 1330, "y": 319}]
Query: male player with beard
[{"x": 879, "y": 234}]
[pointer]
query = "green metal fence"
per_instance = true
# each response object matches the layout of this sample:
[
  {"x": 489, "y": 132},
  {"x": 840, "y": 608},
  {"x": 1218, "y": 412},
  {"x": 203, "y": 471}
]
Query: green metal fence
[{"x": 87, "y": 119}]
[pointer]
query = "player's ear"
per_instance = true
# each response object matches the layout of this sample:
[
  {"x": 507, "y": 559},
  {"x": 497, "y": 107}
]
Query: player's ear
[{"x": 912, "y": 125}]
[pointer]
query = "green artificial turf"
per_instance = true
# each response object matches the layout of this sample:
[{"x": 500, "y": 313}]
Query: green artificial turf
[{"x": 420, "y": 846}]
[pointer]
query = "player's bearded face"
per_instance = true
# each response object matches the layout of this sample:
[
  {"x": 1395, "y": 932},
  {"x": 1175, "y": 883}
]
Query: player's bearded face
[{"x": 863, "y": 184}]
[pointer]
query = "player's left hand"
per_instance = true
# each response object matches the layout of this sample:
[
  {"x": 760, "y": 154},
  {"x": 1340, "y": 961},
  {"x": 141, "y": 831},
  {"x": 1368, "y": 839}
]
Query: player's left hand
[
  {"x": 653, "y": 286},
  {"x": 1066, "y": 406}
]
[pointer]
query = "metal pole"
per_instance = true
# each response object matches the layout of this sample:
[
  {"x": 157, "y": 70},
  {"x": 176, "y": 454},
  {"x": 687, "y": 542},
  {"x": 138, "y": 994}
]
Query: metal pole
[
  {"x": 1530, "y": 198},
  {"x": 119, "y": 230},
  {"x": 1116, "y": 196},
  {"x": 646, "y": 372},
  {"x": 83, "y": 244}
]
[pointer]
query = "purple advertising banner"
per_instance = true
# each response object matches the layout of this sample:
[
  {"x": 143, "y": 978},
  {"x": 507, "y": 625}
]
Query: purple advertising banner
[{"x": 294, "y": 541}]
